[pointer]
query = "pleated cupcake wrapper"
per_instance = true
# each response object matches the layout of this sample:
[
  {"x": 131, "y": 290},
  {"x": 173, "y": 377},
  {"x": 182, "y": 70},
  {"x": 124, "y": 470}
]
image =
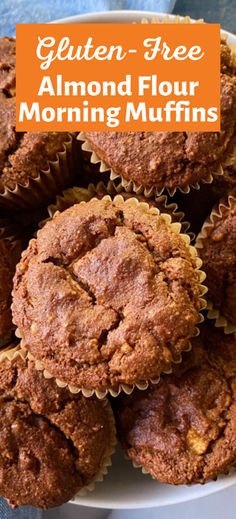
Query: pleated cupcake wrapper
[
  {"x": 76, "y": 195},
  {"x": 128, "y": 388},
  {"x": 217, "y": 213},
  {"x": 107, "y": 458},
  {"x": 48, "y": 183},
  {"x": 139, "y": 189},
  {"x": 11, "y": 353},
  {"x": 187, "y": 20}
]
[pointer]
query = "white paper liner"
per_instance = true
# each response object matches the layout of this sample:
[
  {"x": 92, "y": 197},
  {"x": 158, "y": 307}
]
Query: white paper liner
[
  {"x": 129, "y": 185},
  {"x": 217, "y": 213},
  {"x": 47, "y": 184},
  {"x": 126, "y": 388},
  {"x": 12, "y": 353},
  {"x": 107, "y": 459},
  {"x": 76, "y": 195}
]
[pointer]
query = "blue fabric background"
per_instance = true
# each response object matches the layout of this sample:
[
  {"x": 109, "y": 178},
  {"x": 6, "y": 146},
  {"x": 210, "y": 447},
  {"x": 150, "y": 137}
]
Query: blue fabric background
[{"x": 36, "y": 11}]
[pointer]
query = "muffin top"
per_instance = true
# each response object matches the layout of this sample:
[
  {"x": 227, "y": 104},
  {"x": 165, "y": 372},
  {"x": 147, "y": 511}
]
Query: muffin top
[
  {"x": 108, "y": 294},
  {"x": 23, "y": 155},
  {"x": 183, "y": 430},
  {"x": 6, "y": 283},
  {"x": 169, "y": 159},
  {"x": 218, "y": 253},
  {"x": 52, "y": 443},
  {"x": 8, "y": 66}
]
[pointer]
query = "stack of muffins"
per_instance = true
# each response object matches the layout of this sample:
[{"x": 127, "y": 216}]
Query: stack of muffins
[{"x": 110, "y": 327}]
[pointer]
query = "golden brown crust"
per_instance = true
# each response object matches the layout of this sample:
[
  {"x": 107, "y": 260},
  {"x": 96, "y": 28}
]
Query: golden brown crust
[
  {"x": 24, "y": 155},
  {"x": 8, "y": 66},
  {"x": 184, "y": 429},
  {"x": 52, "y": 443},
  {"x": 169, "y": 159},
  {"x": 107, "y": 294},
  {"x": 219, "y": 262}
]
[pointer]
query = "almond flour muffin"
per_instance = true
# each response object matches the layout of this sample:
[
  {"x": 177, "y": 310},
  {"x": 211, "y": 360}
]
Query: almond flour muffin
[
  {"x": 217, "y": 249},
  {"x": 227, "y": 59},
  {"x": 169, "y": 159},
  {"x": 183, "y": 430},
  {"x": 23, "y": 156},
  {"x": 8, "y": 66},
  {"x": 108, "y": 294},
  {"x": 52, "y": 443}
]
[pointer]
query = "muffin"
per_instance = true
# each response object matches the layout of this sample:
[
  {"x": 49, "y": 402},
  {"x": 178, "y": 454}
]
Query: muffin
[
  {"x": 216, "y": 245},
  {"x": 52, "y": 443},
  {"x": 183, "y": 430},
  {"x": 227, "y": 59},
  {"x": 24, "y": 156},
  {"x": 109, "y": 294},
  {"x": 8, "y": 66},
  {"x": 168, "y": 159},
  {"x": 7, "y": 270}
]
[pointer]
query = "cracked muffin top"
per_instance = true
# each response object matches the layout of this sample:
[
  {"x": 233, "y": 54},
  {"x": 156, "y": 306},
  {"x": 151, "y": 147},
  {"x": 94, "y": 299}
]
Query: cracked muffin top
[
  {"x": 7, "y": 269},
  {"x": 52, "y": 443},
  {"x": 8, "y": 66},
  {"x": 108, "y": 294},
  {"x": 218, "y": 253},
  {"x": 183, "y": 430},
  {"x": 169, "y": 159},
  {"x": 23, "y": 155}
]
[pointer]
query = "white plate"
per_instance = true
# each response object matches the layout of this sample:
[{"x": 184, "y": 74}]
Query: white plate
[{"x": 124, "y": 486}]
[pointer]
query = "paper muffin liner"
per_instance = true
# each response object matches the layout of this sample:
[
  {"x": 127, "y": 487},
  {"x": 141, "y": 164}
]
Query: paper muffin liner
[
  {"x": 48, "y": 183},
  {"x": 217, "y": 213},
  {"x": 129, "y": 185},
  {"x": 76, "y": 195},
  {"x": 12, "y": 353},
  {"x": 128, "y": 388},
  {"x": 139, "y": 189},
  {"x": 107, "y": 458}
]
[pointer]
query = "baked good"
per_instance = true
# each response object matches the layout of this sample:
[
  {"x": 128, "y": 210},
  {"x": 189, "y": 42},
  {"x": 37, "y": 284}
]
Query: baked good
[
  {"x": 76, "y": 195},
  {"x": 52, "y": 443},
  {"x": 7, "y": 269},
  {"x": 227, "y": 59},
  {"x": 183, "y": 430},
  {"x": 217, "y": 248},
  {"x": 108, "y": 294},
  {"x": 169, "y": 159},
  {"x": 23, "y": 156},
  {"x": 8, "y": 66}
]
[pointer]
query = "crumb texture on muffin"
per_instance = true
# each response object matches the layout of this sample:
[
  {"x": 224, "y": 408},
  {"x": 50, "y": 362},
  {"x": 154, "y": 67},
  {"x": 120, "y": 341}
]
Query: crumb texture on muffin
[
  {"x": 169, "y": 159},
  {"x": 107, "y": 294},
  {"x": 8, "y": 66},
  {"x": 52, "y": 443},
  {"x": 218, "y": 254},
  {"x": 184, "y": 429}
]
